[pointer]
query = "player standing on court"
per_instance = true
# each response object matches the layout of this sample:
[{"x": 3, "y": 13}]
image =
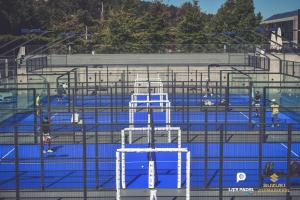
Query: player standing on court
[
  {"x": 257, "y": 103},
  {"x": 275, "y": 113},
  {"x": 37, "y": 103},
  {"x": 46, "y": 134},
  {"x": 60, "y": 92}
]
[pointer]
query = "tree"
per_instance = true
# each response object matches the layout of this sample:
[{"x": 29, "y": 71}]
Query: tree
[
  {"x": 117, "y": 32},
  {"x": 236, "y": 16},
  {"x": 190, "y": 27}
]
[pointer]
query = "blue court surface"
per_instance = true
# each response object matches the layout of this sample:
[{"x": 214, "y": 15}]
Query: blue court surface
[
  {"x": 64, "y": 167},
  {"x": 117, "y": 121},
  {"x": 119, "y": 100}
]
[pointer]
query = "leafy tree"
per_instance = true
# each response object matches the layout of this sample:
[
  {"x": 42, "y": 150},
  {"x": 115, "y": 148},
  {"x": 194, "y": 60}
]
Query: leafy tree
[{"x": 190, "y": 27}]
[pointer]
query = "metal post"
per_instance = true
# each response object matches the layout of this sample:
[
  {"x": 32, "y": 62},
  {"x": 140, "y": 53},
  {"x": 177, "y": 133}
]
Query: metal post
[
  {"x": 188, "y": 174},
  {"x": 127, "y": 78},
  {"x": 226, "y": 108},
  {"x": 107, "y": 77},
  {"x": 42, "y": 153},
  {"x": 221, "y": 163},
  {"x": 48, "y": 100},
  {"x": 201, "y": 92},
  {"x": 86, "y": 79},
  {"x": 111, "y": 116},
  {"x": 116, "y": 102},
  {"x": 260, "y": 154},
  {"x": 75, "y": 80},
  {"x": 16, "y": 149},
  {"x": 175, "y": 89},
  {"x": 96, "y": 148},
  {"x": 188, "y": 110},
  {"x": 168, "y": 77},
  {"x": 35, "y": 111},
  {"x": 84, "y": 162},
  {"x": 118, "y": 185},
  {"x": 250, "y": 103},
  {"x": 183, "y": 109},
  {"x": 206, "y": 149},
  {"x": 289, "y": 154},
  {"x": 263, "y": 114},
  {"x": 73, "y": 112},
  {"x": 69, "y": 91},
  {"x": 123, "y": 89}
]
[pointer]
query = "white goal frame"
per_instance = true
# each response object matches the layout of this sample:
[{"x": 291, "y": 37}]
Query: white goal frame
[
  {"x": 143, "y": 83},
  {"x": 132, "y": 130},
  {"x": 165, "y": 105},
  {"x": 121, "y": 171}
]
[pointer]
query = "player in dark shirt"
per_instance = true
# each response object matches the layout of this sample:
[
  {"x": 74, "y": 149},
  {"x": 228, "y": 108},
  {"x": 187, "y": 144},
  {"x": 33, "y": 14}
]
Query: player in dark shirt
[
  {"x": 46, "y": 134},
  {"x": 257, "y": 103}
]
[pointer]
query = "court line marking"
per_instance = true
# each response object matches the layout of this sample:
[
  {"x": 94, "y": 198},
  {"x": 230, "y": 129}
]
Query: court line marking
[
  {"x": 7, "y": 154},
  {"x": 247, "y": 117},
  {"x": 65, "y": 163},
  {"x": 53, "y": 115},
  {"x": 293, "y": 152}
]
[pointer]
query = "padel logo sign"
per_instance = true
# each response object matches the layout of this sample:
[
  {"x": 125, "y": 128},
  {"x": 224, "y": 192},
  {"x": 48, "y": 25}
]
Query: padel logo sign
[{"x": 241, "y": 177}]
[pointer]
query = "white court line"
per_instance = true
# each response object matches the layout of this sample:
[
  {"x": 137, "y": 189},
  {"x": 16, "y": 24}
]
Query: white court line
[
  {"x": 53, "y": 115},
  {"x": 293, "y": 152},
  {"x": 7, "y": 154},
  {"x": 247, "y": 117}
]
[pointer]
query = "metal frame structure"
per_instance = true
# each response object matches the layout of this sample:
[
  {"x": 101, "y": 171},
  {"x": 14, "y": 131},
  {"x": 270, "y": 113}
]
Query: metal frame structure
[{"x": 121, "y": 179}]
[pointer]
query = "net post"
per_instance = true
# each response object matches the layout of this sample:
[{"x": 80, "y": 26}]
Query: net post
[
  {"x": 151, "y": 175},
  {"x": 188, "y": 174},
  {"x": 179, "y": 168},
  {"x": 118, "y": 187},
  {"x": 16, "y": 149},
  {"x": 123, "y": 164}
]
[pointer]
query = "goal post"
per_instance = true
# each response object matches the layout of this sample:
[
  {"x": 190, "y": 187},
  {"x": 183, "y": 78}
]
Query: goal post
[{"x": 120, "y": 172}]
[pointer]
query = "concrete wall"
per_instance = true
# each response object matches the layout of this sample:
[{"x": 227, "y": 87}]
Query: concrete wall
[{"x": 153, "y": 59}]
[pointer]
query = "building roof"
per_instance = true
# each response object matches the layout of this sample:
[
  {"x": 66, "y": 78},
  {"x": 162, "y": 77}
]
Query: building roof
[{"x": 282, "y": 15}]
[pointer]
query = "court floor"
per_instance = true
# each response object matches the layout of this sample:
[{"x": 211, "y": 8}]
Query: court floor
[
  {"x": 64, "y": 167},
  {"x": 107, "y": 121}
]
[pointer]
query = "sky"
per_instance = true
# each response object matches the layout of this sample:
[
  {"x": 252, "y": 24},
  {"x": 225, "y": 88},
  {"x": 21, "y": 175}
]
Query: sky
[{"x": 266, "y": 7}]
